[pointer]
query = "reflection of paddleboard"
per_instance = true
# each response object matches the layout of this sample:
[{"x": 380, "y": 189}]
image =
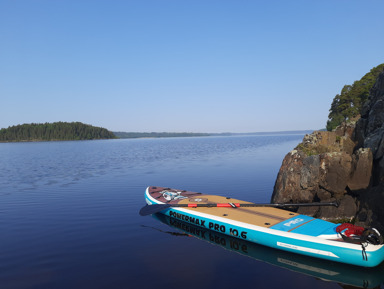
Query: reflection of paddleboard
[
  {"x": 267, "y": 226},
  {"x": 340, "y": 273}
]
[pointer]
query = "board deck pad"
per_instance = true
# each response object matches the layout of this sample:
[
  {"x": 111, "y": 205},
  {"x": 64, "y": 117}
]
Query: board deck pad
[{"x": 259, "y": 216}]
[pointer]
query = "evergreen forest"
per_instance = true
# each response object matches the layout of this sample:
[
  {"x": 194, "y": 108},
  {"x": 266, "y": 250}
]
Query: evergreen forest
[
  {"x": 349, "y": 103},
  {"x": 53, "y": 132}
]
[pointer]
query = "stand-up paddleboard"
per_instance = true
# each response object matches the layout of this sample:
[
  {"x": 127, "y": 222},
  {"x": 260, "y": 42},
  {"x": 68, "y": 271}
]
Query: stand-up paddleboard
[{"x": 268, "y": 225}]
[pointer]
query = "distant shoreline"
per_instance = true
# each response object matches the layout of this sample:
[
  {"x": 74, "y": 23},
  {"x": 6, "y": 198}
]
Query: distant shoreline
[{"x": 131, "y": 135}]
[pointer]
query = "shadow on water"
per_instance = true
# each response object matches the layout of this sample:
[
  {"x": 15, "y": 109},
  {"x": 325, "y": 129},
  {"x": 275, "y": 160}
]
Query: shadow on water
[{"x": 342, "y": 274}]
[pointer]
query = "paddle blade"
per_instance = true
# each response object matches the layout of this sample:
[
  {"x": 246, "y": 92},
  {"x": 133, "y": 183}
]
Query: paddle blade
[{"x": 152, "y": 209}]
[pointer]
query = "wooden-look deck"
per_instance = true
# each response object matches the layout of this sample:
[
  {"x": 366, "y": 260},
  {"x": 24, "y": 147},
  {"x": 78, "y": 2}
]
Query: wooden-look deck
[{"x": 259, "y": 216}]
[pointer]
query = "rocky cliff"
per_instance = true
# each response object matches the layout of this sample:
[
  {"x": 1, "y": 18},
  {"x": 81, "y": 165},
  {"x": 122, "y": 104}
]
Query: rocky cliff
[{"x": 346, "y": 165}]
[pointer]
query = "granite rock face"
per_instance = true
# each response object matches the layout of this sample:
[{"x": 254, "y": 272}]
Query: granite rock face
[
  {"x": 370, "y": 133},
  {"x": 346, "y": 165},
  {"x": 324, "y": 169}
]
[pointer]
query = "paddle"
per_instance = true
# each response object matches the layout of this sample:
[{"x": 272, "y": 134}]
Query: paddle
[{"x": 152, "y": 209}]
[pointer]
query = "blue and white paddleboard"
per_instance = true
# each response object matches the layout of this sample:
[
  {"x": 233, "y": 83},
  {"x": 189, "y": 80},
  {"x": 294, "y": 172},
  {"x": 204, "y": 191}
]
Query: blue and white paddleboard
[{"x": 272, "y": 227}]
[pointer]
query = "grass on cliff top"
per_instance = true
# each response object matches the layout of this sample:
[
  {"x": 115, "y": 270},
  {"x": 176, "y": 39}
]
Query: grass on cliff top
[{"x": 313, "y": 150}]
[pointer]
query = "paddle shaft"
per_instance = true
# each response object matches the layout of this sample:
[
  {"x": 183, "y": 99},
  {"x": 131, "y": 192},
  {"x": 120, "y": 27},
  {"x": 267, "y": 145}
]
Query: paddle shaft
[
  {"x": 155, "y": 208},
  {"x": 238, "y": 205}
]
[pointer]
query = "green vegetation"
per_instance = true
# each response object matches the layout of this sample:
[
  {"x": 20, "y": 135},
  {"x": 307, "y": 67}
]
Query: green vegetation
[
  {"x": 53, "y": 131},
  {"x": 157, "y": 134},
  {"x": 343, "y": 220},
  {"x": 313, "y": 150},
  {"x": 349, "y": 103}
]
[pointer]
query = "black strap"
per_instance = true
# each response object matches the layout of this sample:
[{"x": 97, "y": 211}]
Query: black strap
[
  {"x": 354, "y": 240},
  {"x": 372, "y": 236},
  {"x": 363, "y": 252}
]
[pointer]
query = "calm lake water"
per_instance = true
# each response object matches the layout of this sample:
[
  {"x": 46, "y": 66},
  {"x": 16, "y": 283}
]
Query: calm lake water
[{"x": 69, "y": 217}]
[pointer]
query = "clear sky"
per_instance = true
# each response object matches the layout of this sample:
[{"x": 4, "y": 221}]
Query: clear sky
[{"x": 183, "y": 65}]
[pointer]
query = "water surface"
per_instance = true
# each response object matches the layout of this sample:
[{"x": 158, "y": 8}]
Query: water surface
[{"x": 69, "y": 216}]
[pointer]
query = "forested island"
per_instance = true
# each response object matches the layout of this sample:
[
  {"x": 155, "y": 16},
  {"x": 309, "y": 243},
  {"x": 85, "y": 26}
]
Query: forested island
[{"x": 53, "y": 132}]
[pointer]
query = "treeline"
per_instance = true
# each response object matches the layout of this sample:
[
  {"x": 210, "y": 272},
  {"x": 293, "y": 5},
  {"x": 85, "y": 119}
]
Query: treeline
[
  {"x": 157, "y": 134},
  {"x": 349, "y": 103},
  {"x": 53, "y": 132}
]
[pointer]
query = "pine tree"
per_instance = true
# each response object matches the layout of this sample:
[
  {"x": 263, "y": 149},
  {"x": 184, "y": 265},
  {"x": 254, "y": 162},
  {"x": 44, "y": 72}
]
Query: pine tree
[{"x": 349, "y": 102}]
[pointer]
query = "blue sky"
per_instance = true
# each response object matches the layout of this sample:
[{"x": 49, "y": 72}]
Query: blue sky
[{"x": 183, "y": 65}]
